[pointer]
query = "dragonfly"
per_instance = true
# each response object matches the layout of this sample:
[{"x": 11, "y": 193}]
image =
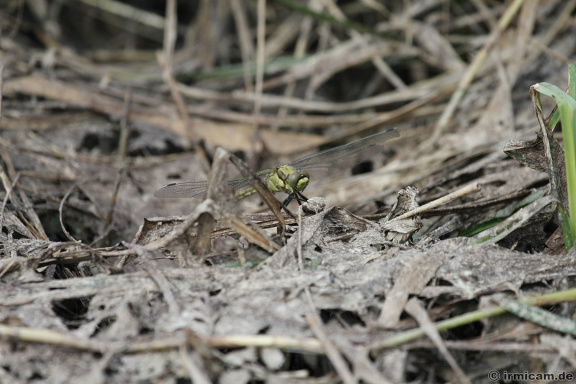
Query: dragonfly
[{"x": 292, "y": 178}]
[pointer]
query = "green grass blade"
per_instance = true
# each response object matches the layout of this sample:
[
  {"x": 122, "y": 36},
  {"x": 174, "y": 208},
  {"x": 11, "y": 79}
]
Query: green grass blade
[
  {"x": 567, "y": 108},
  {"x": 539, "y": 316},
  {"x": 566, "y": 232},
  {"x": 572, "y": 80}
]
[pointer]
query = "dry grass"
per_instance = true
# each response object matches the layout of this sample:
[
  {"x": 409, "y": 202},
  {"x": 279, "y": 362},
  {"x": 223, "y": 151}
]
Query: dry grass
[{"x": 104, "y": 102}]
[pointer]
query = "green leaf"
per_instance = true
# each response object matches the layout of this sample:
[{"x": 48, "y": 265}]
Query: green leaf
[{"x": 567, "y": 107}]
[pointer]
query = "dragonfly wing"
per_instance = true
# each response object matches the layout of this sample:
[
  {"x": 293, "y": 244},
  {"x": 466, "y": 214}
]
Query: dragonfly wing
[
  {"x": 347, "y": 155},
  {"x": 182, "y": 190},
  {"x": 343, "y": 156},
  {"x": 240, "y": 185}
]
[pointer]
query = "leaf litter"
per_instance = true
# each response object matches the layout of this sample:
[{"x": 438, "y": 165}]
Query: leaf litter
[{"x": 392, "y": 275}]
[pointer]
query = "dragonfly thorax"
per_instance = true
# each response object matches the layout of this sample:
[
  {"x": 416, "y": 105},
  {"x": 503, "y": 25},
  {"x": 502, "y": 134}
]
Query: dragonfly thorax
[{"x": 288, "y": 179}]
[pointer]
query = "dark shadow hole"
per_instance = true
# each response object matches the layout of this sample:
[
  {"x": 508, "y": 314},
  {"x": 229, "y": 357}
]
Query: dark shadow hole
[{"x": 72, "y": 311}]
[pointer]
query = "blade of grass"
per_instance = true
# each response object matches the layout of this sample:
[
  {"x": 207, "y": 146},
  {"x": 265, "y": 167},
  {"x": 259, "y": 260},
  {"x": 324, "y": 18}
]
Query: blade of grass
[
  {"x": 572, "y": 80},
  {"x": 471, "y": 317},
  {"x": 295, "y": 6},
  {"x": 567, "y": 107},
  {"x": 539, "y": 316}
]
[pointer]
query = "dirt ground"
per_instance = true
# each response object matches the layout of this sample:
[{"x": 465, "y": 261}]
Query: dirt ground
[{"x": 431, "y": 252}]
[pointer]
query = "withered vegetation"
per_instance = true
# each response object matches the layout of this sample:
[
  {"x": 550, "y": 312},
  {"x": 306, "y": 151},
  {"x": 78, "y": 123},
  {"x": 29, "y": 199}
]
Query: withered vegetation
[{"x": 105, "y": 102}]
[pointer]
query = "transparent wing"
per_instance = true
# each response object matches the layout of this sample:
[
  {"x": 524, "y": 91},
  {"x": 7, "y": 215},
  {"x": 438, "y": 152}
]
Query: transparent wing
[
  {"x": 182, "y": 190},
  {"x": 240, "y": 186},
  {"x": 343, "y": 156},
  {"x": 347, "y": 155}
]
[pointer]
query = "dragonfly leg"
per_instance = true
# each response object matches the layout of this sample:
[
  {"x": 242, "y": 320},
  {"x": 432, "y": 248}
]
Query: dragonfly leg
[
  {"x": 298, "y": 196},
  {"x": 301, "y": 198},
  {"x": 288, "y": 200}
]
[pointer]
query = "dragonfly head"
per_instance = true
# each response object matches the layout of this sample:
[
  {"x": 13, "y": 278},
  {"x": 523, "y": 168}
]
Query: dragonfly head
[
  {"x": 298, "y": 180},
  {"x": 288, "y": 179}
]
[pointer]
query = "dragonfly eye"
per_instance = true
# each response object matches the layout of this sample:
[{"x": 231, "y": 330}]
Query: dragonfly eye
[{"x": 298, "y": 180}]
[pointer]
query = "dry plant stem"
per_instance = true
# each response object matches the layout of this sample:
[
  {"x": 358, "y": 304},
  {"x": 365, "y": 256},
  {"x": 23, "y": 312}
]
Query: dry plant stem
[
  {"x": 9, "y": 188},
  {"x": 474, "y": 345},
  {"x": 269, "y": 222},
  {"x": 170, "y": 33},
  {"x": 384, "y": 69},
  {"x": 526, "y": 23},
  {"x": 299, "y": 249},
  {"x": 50, "y": 337},
  {"x": 200, "y": 244},
  {"x": 284, "y": 35},
  {"x": 125, "y": 127},
  {"x": 551, "y": 168},
  {"x": 288, "y": 121},
  {"x": 472, "y": 70},
  {"x": 158, "y": 277},
  {"x": 114, "y": 199},
  {"x": 167, "y": 62},
  {"x": 388, "y": 73},
  {"x": 299, "y": 52},
  {"x": 330, "y": 349},
  {"x": 558, "y": 56},
  {"x": 20, "y": 199},
  {"x": 401, "y": 113},
  {"x": 412, "y": 278},
  {"x": 125, "y": 257},
  {"x": 365, "y": 370},
  {"x": 205, "y": 206},
  {"x": 18, "y": 21},
  {"x": 439, "y": 85},
  {"x": 252, "y": 235},
  {"x": 565, "y": 18},
  {"x": 484, "y": 12},
  {"x": 7, "y": 174},
  {"x": 217, "y": 180},
  {"x": 205, "y": 39},
  {"x": 414, "y": 309},
  {"x": 129, "y": 12},
  {"x": 245, "y": 40},
  {"x": 36, "y": 335},
  {"x": 60, "y": 214},
  {"x": 196, "y": 374},
  {"x": 1, "y": 90},
  {"x": 110, "y": 215},
  {"x": 39, "y": 86},
  {"x": 8, "y": 265},
  {"x": 285, "y": 343},
  {"x": 479, "y": 204},
  {"x": 165, "y": 344},
  {"x": 31, "y": 227},
  {"x": 260, "y": 52},
  {"x": 467, "y": 318},
  {"x": 80, "y": 97},
  {"x": 264, "y": 341},
  {"x": 324, "y": 32},
  {"x": 443, "y": 200},
  {"x": 331, "y": 352}
]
